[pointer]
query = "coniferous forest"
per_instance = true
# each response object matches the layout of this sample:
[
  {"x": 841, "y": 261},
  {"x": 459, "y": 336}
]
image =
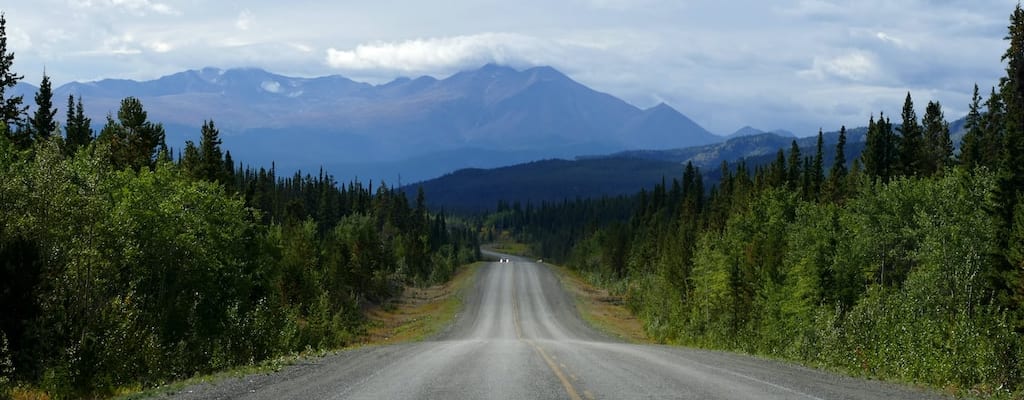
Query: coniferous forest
[
  {"x": 124, "y": 266},
  {"x": 906, "y": 263}
]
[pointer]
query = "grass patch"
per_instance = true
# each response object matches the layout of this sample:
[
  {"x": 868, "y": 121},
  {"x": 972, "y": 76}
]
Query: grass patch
[
  {"x": 601, "y": 309},
  {"x": 508, "y": 247},
  {"x": 419, "y": 313}
]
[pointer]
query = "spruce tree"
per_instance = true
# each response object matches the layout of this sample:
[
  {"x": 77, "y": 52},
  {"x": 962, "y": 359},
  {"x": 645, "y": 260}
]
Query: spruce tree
[
  {"x": 911, "y": 142},
  {"x": 837, "y": 175},
  {"x": 1011, "y": 163},
  {"x": 938, "y": 147},
  {"x": 1012, "y": 93},
  {"x": 212, "y": 159},
  {"x": 134, "y": 140},
  {"x": 994, "y": 127},
  {"x": 42, "y": 122},
  {"x": 78, "y": 128},
  {"x": 972, "y": 142},
  {"x": 793, "y": 176},
  {"x": 11, "y": 108},
  {"x": 778, "y": 171},
  {"x": 881, "y": 153},
  {"x": 819, "y": 167}
]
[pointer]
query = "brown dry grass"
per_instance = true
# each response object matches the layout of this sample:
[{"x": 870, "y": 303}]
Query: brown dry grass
[
  {"x": 21, "y": 393},
  {"x": 419, "y": 312},
  {"x": 600, "y": 309}
]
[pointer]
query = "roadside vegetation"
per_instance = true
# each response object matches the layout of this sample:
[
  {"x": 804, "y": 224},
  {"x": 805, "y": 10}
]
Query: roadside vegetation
[
  {"x": 904, "y": 263},
  {"x": 126, "y": 265}
]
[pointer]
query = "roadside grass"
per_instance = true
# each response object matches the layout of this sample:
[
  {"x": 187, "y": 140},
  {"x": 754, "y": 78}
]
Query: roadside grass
[
  {"x": 508, "y": 247},
  {"x": 599, "y": 308},
  {"x": 417, "y": 314}
]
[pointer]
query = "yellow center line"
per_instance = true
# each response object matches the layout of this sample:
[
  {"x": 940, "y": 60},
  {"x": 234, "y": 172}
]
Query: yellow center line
[
  {"x": 558, "y": 372},
  {"x": 569, "y": 389}
]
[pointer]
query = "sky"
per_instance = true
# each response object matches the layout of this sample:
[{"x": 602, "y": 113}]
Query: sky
[{"x": 798, "y": 65}]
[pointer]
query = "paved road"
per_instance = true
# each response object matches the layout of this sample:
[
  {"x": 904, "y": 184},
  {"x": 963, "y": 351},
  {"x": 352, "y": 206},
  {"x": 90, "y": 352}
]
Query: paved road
[{"x": 519, "y": 337}]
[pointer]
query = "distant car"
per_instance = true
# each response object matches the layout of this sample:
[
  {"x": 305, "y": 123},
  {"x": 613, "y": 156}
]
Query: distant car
[{"x": 540, "y": 260}]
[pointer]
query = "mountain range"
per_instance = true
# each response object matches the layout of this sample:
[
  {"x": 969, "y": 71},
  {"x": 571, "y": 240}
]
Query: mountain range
[
  {"x": 627, "y": 172},
  {"x": 406, "y": 129}
]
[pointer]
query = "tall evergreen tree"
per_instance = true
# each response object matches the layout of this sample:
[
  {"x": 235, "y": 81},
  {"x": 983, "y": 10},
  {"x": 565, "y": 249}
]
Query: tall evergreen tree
[
  {"x": 793, "y": 176},
  {"x": 1011, "y": 163},
  {"x": 11, "y": 108},
  {"x": 972, "y": 143},
  {"x": 212, "y": 158},
  {"x": 819, "y": 166},
  {"x": 994, "y": 127},
  {"x": 134, "y": 140},
  {"x": 191, "y": 161},
  {"x": 1012, "y": 93},
  {"x": 42, "y": 122},
  {"x": 78, "y": 129},
  {"x": 938, "y": 147},
  {"x": 837, "y": 175},
  {"x": 911, "y": 142},
  {"x": 880, "y": 155},
  {"x": 777, "y": 172}
]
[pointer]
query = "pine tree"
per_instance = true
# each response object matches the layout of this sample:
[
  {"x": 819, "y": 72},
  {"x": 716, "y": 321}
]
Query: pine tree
[
  {"x": 938, "y": 147},
  {"x": 78, "y": 128},
  {"x": 11, "y": 108},
  {"x": 881, "y": 151},
  {"x": 1011, "y": 163},
  {"x": 807, "y": 183},
  {"x": 837, "y": 175},
  {"x": 993, "y": 124},
  {"x": 43, "y": 123},
  {"x": 911, "y": 142},
  {"x": 819, "y": 167},
  {"x": 778, "y": 171},
  {"x": 972, "y": 142},
  {"x": 793, "y": 175},
  {"x": 191, "y": 161},
  {"x": 1012, "y": 93},
  {"x": 133, "y": 140},
  {"x": 212, "y": 159}
]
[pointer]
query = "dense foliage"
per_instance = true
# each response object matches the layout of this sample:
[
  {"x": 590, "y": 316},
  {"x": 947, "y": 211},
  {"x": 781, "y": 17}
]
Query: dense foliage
[
  {"x": 121, "y": 267},
  {"x": 903, "y": 265}
]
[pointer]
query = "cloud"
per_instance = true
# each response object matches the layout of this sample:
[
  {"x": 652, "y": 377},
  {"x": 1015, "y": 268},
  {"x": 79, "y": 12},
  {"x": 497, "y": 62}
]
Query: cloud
[
  {"x": 271, "y": 86},
  {"x": 244, "y": 21},
  {"x": 20, "y": 40},
  {"x": 137, "y": 7},
  {"x": 160, "y": 46},
  {"x": 856, "y": 66},
  {"x": 435, "y": 54}
]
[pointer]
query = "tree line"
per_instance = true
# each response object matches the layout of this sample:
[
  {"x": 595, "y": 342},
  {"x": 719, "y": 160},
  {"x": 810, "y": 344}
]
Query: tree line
[
  {"x": 122, "y": 265},
  {"x": 904, "y": 263}
]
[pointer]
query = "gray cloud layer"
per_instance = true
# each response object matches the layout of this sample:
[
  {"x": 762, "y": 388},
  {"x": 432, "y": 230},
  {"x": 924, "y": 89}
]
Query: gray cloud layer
[{"x": 796, "y": 64}]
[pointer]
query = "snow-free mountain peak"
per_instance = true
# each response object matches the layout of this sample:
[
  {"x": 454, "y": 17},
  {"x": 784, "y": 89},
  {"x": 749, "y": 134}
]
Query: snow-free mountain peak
[{"x": 421, "y": 127}]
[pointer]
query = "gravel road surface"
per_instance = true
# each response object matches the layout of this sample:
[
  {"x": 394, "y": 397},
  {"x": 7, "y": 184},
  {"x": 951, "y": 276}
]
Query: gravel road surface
[{"x": 520, "y": 337}]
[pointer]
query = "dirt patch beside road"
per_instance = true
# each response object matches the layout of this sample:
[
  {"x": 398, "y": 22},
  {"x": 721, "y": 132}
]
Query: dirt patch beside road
[{"x": 418, "y": 313}]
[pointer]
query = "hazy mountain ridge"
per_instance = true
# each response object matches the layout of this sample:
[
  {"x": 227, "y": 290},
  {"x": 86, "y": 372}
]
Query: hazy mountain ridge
[
  {"x": 628, "y": 172},
  {"x": 356, "y": 128}
]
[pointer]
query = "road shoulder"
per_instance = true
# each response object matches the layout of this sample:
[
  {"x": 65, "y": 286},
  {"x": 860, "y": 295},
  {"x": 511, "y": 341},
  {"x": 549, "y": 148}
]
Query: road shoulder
[{"x": 600, "y": 309}]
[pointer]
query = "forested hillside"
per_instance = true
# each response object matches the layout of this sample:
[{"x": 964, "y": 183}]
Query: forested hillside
[
  {"x": 906, "y": 266},
  {"x": 121, "y": 267}
]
